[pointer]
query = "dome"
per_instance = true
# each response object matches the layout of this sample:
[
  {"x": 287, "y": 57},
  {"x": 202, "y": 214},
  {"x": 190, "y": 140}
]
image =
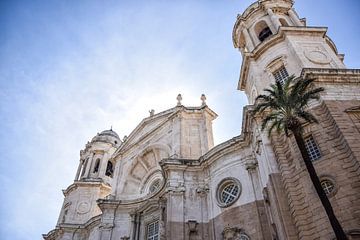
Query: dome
[
  {"x": 107, "y": 136},
  {"x": 109, "y": 133}
]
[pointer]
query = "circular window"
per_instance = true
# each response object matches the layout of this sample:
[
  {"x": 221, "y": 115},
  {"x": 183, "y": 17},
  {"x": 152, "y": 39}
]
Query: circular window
[
  {"x": 228, "y": 192},
  {"x": 328, "y": 186},
  {"x": 154, "y": 186},
  {"x": 244, "y": 237}
]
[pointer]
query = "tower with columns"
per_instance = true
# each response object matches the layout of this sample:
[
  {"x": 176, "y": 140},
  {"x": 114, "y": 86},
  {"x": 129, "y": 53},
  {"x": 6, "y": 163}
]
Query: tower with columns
[
  {"x": 167, "y": 180},
  {"x": 92, "y": 181}
]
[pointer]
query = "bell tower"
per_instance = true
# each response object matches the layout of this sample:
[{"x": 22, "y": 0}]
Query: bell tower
[
  {"x": 275, "y": 43},
  {"x": 93, "y": 180}
]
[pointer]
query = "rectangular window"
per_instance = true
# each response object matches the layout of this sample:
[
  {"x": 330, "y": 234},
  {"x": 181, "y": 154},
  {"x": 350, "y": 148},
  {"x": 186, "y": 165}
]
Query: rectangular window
[
  {"x": 153, "y": 231},
  {"x": 281, "y": 75},
  {"x": 312, "y": 149}
]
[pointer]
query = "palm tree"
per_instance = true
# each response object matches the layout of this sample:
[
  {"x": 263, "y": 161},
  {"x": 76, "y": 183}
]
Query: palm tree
[{"x": 283, "y": 107}]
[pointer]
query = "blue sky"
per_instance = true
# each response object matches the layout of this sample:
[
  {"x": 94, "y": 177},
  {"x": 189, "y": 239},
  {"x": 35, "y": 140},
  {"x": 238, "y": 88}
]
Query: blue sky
[{"x": 70, "y": 69}]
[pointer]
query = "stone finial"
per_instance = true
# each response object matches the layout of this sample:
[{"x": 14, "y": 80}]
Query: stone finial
[
  {"x": 179, "y": 98},
  {"x": 203, "y": 99},
  {"x": 152, "y": 112},
  {"x": 125, "y": 138}
]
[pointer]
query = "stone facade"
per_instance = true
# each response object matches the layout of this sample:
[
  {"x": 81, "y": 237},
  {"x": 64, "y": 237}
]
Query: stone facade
[{"x": 167, "y": 180}]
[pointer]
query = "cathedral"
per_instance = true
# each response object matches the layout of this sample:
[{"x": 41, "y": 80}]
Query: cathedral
[{"x": 167, "y": 180}]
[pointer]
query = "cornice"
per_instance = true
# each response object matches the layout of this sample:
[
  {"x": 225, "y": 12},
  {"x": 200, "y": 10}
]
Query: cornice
[
  {"x": 332, "y": 75},
  {"x": 53, "y": 234},
  {"x": 93, "y": 183}
]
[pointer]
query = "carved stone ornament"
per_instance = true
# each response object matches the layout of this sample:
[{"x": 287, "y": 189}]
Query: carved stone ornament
[
  {"x": 83, "y": 207},
  {"x": 234, "y": 233},
  {"x": 106, "y": 226},
  {"x": 192, "y": 224},
  {"x": 317, "y": 56}
]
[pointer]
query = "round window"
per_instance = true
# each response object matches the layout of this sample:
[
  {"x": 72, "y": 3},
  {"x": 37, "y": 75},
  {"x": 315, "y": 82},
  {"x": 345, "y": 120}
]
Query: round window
[
  {"x": 327, "y": 185},
  {"x": 244, "y": 237},
  {"x": 228, "y": 192}
]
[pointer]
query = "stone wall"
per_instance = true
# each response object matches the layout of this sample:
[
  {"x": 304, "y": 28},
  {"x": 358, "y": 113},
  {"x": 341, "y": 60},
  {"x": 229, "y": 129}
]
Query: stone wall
[{"x": 338, "y": 161}]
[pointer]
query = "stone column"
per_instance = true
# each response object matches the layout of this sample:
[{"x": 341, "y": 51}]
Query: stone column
[
  {"x": 103, "y": 165},
  {"x": 162, "y": 207},
  {"x": 88, "y": 166},
  {"x": 105, "y": 231},
  {"x": 107, "y": 221},
  {"x": 251, "y": 166},
  {"x": 79, "y": 169},
  {"x": 274, "y": 19},
  {"x": 203, "y": 194},
  {"x": 175, "y": 212},
  {"x": 248, "y": 41},
  {"x": 133, "y": 226},
  {"x": 294, "y": 17}
]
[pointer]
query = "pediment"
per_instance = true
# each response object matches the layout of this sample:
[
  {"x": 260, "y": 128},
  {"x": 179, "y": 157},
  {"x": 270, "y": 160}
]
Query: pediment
[{"x": 147, "y": 127}]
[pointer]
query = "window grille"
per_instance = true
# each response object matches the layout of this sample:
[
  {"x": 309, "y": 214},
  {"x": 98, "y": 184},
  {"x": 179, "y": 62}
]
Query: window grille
[
  {"x": 312, "y": 149},
  {"x": 327, "y": 185},
  {"x": 244, "y": 237},
  {"x": 153, "y": 231},
  {"x": 281, "y": 75},
  {"x": 154, "y": 186},
  {"x": 229, "y": 193}
]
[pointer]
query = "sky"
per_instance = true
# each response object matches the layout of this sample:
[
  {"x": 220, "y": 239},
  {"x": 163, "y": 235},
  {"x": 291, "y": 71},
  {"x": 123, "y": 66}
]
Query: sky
[{"x": 71, "y": 69}]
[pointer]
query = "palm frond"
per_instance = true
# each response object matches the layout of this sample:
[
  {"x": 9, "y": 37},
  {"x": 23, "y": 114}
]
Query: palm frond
[
  {"x": 308, "y": 117},
  {"x": 284, "y": 105}
]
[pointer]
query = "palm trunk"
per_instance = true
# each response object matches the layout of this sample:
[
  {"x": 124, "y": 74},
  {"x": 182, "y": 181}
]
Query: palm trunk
[{"x": 339, "y": 232}]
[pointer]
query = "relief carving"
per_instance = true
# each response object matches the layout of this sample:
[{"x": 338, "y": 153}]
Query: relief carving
[
  {"x": 234, "y": 233},
  {"x": 83, "y": 207}
]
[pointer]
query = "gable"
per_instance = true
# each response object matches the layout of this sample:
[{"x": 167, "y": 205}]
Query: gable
[{"x": 147, "y": 128}]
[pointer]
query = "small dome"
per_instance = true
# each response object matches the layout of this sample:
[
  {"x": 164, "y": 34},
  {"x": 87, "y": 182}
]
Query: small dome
[
  {"x": 109, "y": 133},
  {"x": 107, "y": 136}
]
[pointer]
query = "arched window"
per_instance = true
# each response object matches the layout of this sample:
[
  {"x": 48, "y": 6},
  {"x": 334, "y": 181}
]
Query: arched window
[
  {"x": 154, "y": 186},
  {"x": 84, "y": 167},
  {"x": 97, "y": 164},
  {"x": 262, "y": 30},
  {"x": 283, "y": 22},
  {"x": 109, "y": 169}
]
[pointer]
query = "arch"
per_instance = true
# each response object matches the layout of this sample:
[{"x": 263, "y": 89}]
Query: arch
[
  {"x": 97, "y": 165},
  {"x": 109, "y": 169},
  {"x": 163, "y": 147},
  {"x": 283, "y": 22},
  {"x": 144, "y": 168},
  {"x": 262, "y": 30}
]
